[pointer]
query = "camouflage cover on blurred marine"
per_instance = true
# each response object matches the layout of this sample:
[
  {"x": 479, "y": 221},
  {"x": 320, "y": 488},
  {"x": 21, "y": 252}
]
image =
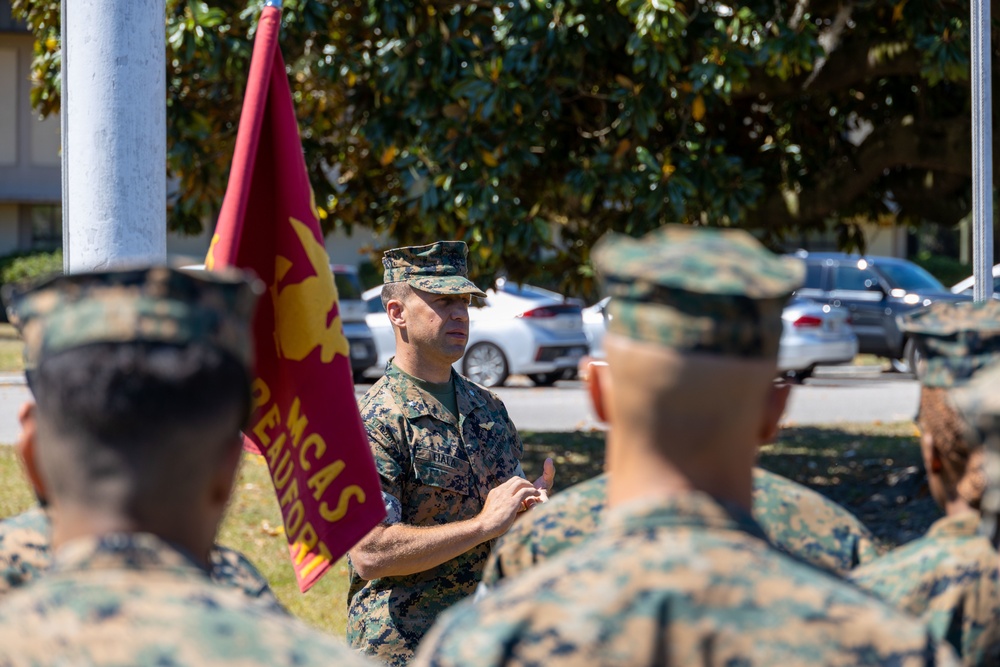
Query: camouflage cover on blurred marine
[
  {"x": 699, "y": 289},
  {"x": 155, "y": 305},
  {"x": 957, "y": 339}
]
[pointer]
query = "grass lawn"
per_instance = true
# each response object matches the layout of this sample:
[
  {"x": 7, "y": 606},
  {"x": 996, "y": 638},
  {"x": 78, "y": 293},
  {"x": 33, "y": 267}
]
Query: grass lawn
[
  {"x": 846, "y": 461},
  {"x": 11, "y": 358}
]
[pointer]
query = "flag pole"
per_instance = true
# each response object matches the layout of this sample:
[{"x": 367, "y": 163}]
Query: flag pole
[
  {"x": 982, "y": 152},
  {"x": 114, "y": 134}
]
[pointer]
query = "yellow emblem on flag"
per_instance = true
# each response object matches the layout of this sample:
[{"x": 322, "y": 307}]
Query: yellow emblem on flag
[{"x": 302, "y": 310}]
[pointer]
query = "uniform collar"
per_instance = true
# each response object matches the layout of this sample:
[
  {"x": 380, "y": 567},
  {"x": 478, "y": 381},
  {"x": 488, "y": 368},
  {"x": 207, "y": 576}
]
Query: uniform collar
[
  {"x": 414, "y": 402},
  {"x": 692, "y": 510},
  {"x": 965, "y": 524},
  {"x": 124, "y": 551}
]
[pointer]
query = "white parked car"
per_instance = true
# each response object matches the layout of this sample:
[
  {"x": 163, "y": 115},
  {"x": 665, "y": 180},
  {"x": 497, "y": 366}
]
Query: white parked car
[
  {"x": 378, "y": 322},
  {"x": 595, "y": 324},
  {"x": 967, "y": 285},
  {"x": 516, "y": 330},
  {"x": 812, "y": 334}
]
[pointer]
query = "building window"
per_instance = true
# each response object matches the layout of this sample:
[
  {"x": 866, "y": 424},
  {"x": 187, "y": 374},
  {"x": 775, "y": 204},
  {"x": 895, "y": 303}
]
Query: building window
[{"x": 46, "y": 227}]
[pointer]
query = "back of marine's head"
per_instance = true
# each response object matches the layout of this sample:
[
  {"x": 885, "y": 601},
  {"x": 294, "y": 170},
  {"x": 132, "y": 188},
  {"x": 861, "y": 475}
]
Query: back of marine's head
[
  {"x": 141, "y": 379},
  {"x": 956, "y": 342},
  {"x": 694, "y": 322}
]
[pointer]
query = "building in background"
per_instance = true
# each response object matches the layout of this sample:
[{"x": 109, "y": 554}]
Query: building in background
[{"x": 30, "y": 175}]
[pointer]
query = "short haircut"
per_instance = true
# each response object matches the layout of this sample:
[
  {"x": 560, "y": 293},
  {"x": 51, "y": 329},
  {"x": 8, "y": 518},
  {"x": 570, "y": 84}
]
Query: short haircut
[
  {"x": 960, "y": 454},
  {"x": 397, "y": 291},
  {"x": 137, "y": 425}
]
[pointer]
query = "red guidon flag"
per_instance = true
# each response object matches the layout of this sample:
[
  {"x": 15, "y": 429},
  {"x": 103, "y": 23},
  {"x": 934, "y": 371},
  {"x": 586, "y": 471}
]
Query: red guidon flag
[{"x": 305, "y": 418}]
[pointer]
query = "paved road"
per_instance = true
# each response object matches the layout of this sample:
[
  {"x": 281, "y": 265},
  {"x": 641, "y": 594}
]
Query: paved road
[{"x": 835, "y": 395}]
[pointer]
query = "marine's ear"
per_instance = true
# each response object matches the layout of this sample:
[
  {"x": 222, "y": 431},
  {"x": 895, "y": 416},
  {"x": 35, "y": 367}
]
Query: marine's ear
[
  {"x": 777, "y": 399},
  {"x": 26, "y": 441},
  {"x": 599, "y": 387}
]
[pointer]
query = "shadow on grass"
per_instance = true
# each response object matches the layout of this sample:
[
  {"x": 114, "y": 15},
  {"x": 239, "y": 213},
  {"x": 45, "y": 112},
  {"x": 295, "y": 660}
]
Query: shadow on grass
[{"x": 874, "y": 470}]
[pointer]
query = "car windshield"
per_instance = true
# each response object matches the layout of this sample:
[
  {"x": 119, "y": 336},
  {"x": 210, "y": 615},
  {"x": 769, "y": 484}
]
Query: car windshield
[
  {"x": 348, "y": 285},
  {"x": 911, "y": 277}
]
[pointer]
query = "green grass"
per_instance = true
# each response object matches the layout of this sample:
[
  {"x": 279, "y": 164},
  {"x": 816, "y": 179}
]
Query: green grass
[
  {"x": 11, "y": 357},
  {"x": 844, "y": 461},
  {"x": 15, "y": 493}
]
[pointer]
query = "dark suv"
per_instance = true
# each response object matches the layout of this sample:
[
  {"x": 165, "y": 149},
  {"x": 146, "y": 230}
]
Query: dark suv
[{"x": 874, "y": 290}]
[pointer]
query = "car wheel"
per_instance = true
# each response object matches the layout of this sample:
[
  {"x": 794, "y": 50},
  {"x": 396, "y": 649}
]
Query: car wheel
[
  {"x": 799, "y": 376},
  {"x": 485, "y": 364},
  {"x": 545, "y": 379},
  {"x": 900, "y": 365},
  {"x": 914, "y": 357}
]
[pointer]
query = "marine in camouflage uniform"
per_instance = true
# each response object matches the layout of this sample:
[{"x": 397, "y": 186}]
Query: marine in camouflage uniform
[
  {"x": 436, "y": 468},
  {"x": 796, "y": 519},
  {"x": 949, "y": 576},
  {"x": 675, "y": 576},
  {"x": 128, "y": 596},
  {"x": 25, "y": 555}
]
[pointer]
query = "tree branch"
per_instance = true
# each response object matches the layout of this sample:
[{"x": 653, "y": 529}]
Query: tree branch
[{"x": 938, "y": 145}]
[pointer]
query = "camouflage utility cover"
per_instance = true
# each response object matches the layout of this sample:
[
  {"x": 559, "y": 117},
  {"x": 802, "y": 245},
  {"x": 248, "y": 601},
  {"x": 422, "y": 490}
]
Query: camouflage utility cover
[
  {"x": 957, "y": 339},
  {"x": 794, "y": 518},
  {"x": 154, "y": 305},
  {"x": 697, "y": 289},
  {"x": 130, "y": 599},
  {"x": 949, "y": 579},
  {"x": 435, "y": 469},
  {"x": 684, "y": 582},
  {"x": 25, "y": 555},
  {"x": 439, "y": 268}
]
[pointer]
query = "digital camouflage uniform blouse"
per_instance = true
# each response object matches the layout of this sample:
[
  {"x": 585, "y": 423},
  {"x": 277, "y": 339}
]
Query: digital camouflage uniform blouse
[
  {"x": 25, "y": 555},
  {"x": 434, "y": 470},
  {"x": 948, "y": 578},
  {"x": 795, "y": 518},
  {"x": 131, "y": 599},
  {"x": 678, "y": 582}
]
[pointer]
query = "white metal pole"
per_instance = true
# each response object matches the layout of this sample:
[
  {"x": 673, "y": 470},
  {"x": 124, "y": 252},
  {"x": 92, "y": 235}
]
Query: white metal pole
[
  {"x": 114, "y": 133},
  {"x": 982, "y": 152}
]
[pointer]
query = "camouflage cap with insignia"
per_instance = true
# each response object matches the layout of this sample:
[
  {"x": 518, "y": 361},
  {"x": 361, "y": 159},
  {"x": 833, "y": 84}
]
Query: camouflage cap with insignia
[
  {"x": 697, "y": 289},
  {"x": 439, "y": 268},
  {"x": 956, "y": 339},
  {"x": 148, "y": 305}
]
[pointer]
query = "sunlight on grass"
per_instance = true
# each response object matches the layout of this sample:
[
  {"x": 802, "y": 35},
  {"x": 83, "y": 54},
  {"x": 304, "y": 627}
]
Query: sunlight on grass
[
  {"x": 15, "y": 493},
  {"x": 253, "y": 526},
  {"x": 11, "y": 359}
]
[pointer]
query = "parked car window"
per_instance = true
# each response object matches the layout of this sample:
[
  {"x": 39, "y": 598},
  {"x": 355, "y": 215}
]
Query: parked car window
[
  {"x": 814, "y": 276},
  {"x": 348, "y": 285},
  {"x": 850, "y": 277},
  {"x": 911, "y": 277}
]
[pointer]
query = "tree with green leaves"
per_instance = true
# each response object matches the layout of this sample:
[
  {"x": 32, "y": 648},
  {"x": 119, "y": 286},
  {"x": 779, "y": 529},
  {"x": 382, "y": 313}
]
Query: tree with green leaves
[{"x": 529, "y": 128}]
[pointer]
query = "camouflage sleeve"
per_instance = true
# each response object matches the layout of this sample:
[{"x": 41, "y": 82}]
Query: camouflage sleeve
[{"x": 391, "y": 466}]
